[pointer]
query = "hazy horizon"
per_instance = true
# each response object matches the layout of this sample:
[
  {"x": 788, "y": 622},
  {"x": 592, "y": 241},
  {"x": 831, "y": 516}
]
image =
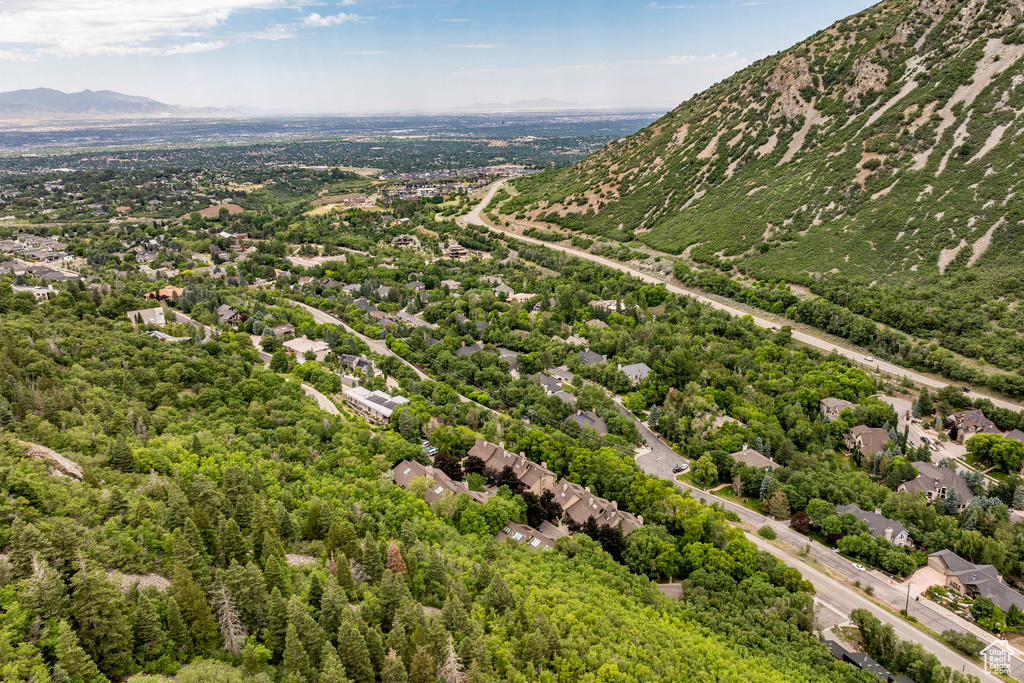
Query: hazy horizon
[{"x": 361, "y": 56}]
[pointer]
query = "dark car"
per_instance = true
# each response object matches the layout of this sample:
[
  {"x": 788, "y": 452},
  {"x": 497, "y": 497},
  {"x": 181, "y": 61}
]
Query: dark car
[{"x": 677, "y": 469}]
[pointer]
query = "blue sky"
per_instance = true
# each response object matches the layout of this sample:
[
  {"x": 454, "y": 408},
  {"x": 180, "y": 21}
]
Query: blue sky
[{"x": 397, "y": 55}]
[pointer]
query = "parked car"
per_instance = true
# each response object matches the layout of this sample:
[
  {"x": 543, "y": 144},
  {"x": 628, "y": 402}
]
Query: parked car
[
  {"x": 869, "y": 359},
  {"x": 677, "y": 469},
  {"x": 859, "y": 567}
]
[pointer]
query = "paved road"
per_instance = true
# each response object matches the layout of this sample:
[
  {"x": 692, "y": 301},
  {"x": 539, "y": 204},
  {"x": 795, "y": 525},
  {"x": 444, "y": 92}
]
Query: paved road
[
  {"x": 474, "y": 217},
  {"x": 376, "y": 345},
  {"x": 324, "y": 402}
]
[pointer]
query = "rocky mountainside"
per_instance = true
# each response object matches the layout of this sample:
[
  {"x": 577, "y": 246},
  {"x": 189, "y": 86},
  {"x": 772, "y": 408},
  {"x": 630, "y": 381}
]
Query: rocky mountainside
[
  {"x": 45, "y": 103},
  {"x": 878, "y": 162}
]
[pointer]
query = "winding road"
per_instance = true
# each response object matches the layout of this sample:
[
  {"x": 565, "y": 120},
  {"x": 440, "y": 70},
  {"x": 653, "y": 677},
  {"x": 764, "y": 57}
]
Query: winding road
[{"x": 474, "y": 217}]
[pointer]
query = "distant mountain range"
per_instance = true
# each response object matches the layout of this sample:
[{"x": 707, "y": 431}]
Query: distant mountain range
[
  {"x": 45, "y": 103},
  {"x": 543, "y": 104}
]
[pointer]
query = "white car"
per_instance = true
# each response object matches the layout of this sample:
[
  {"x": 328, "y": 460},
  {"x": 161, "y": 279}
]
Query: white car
[
  {"x": 869, "y": 359},
  {"x": 859, "y": 567}
]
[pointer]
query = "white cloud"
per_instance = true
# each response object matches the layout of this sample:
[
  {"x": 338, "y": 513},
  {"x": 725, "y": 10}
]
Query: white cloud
[
  {"x": 655, "y": 5},
  {"x": 317, "y": 21},
  {"x": 111, "y": 27}
]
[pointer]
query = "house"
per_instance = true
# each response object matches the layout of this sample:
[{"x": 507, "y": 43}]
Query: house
[
  {"x": 878, "y": 525},
  {"x": 452, "y": 285},
  {"x": 167, "y": 292},
  {"x": 576, "y": 340},
  {"x": 281, "y": 331},
  {"x": 562, "y": 373},
  {"x": 832, "y": 408},
  {"x": 300, "y": 346},
  {"x": 363, "y": 304},
  {"x": 751, "y": 458},
  {"x": 592, "y": 420},
  {"x": 868, "y": 440},
  {"x": 375, "y": 406},
  {"x": 468, "y": 350},
  {"x": 1016, "y": 435},
  {"x": 481, "y": 325},
  {"x": 412, "y": 321},
  {"x": 357, "y": 363},
  {"x": 227, "y": 314},
  {"x": 637, "y": 372},
  {"x": 972, "y": 580},
  {"x": 565, "y": 397},
  {"x": 536, "y": 478},
  {"x": 591, "y": 358},
  {"x": 43, "y": 293},
  {"x": 503, "y": 289},
  {"x": 306, "y": 280},
  {"x": 512, "y": 358},
  {"x": 417, "y": 286},
  {"x": 523, "y": 534},
  {"x": 579, "y": 504},
  {"x": 405, "y": 241},
  {"x": 865, "y": 663},
  {"x": 147, "y": 316},
  {"x": 967, "y": 423},
  {"x": 597, "y": 324},
  {"x": 439, "y": 484},
  {"x": 454, "y": 250},
  {"x": 936, "y": 482},
  {"x": 551, "y": 385},
  {"x": 521, "y": 298}
]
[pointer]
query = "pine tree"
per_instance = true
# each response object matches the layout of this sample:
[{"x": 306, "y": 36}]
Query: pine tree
[
  {"x": 27, "y": 541},
  {"x": 372, "y": 565},
  {"x": 277, "y": 623},
  {"x": 296, "y": 661},
  {"x": 475, "y": 674},
  {"x": 394, "y": 669},
  {"x": 654, "y": 417},
  {"x": 101, "y": 621},
  {"x": 398, "y": 642},
  {"x": 232, "y": 543},
  {"x": 311, "y": 528},
  {"x": 205, "y": 530},
  {"x": 121, "y": 457},
  {"x": 177, "y": 629},
  {"x": 766, "y": 484},
  {"x": 498, "y": 596},
  {"x": 148, "y": 635},
  {"x": 343, "y": 572},
  {"x": 353, "y": 653},
  {"x": 421, "y": 670},
  {"x": 316, "y": 591},
  {"x": 232, "y": 630},
  {"x": 311, "y": 635},
  {"x": 952, "y": 501},
  {"x": 117, "y": 503},
  {"x": 48, "y": 594},
  {"x": 454, "y": 614},
  {"x": 395, "y": 561},
  {"x": 189, "y": 556},
  {"x": 331, "y": 668},
  {"x": 71, "y": 657},
  {"x": 374, "y": 645},
  {"x": 1018, "y": 497},
  {"x": 285, "y": 527},
  {"x": 333, "y": 606},
  {"x": 195, "y": 609}
]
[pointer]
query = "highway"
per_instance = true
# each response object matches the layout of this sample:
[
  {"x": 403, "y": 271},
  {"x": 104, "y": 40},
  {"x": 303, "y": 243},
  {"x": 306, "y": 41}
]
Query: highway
[{"x": 474, "y": 217}]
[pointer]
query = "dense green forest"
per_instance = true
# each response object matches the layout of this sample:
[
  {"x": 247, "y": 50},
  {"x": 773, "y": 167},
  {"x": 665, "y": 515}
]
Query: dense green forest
[{"x": 268, "y": 544}]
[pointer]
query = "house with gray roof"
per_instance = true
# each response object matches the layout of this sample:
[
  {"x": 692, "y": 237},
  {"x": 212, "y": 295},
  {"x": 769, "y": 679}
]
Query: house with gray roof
[
  {"x": 751, "y": 458},
  {"x": 868, "y": 440},
  {"x": 589, "y": 357},
  {"x": 636, "y": 372},
  {"x": 936, "y": 482},
  {"x": 967, "y": 423},
  {"x": 468, "y": 350},
  {"x": 975, "y": 580},
  {"x": 591, "y": 420},
  {"x": 832, "y": 408},
  {"x": 879, "y": 526},
  {"x": 551, "y": 385}
]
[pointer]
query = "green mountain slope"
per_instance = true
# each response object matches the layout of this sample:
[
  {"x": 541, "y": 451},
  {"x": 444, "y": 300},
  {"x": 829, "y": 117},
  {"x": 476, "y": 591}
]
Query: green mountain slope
[{"x": 878, "y": 162}]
